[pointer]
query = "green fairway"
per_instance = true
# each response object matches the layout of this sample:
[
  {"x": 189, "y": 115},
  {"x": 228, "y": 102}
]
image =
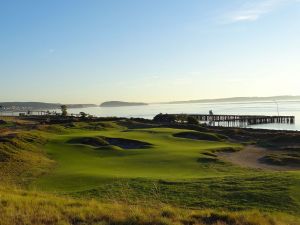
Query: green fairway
[
  {"x": 81, "y": 166},
  {"x": 171, "y": 169}
]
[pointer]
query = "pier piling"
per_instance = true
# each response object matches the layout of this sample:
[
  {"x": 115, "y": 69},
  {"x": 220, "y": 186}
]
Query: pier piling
[{"x": 240, "y": 120}]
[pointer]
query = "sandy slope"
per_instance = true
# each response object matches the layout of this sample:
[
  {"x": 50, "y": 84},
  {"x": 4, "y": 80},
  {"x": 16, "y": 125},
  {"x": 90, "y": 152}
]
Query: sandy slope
[{"x": 250, "y": 157}]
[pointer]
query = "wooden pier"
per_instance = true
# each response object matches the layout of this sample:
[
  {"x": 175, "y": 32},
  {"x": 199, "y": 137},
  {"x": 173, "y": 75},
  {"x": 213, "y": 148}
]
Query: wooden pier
[{"x": 240, "y": 120}]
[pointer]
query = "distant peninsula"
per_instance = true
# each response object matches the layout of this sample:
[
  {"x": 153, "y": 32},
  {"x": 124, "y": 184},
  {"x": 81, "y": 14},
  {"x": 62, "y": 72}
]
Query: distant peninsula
[
  {"x": 240, "y": 99},
  {"x": 121, "y": 104},
  {"x": 17, "y": 106}
]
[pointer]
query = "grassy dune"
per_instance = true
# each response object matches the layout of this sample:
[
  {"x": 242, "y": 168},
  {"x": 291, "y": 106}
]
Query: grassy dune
[
  {"x": 24, "y": 207},
  {"x": 21, "y": 159},
  {"x": 116, "y": 173}
]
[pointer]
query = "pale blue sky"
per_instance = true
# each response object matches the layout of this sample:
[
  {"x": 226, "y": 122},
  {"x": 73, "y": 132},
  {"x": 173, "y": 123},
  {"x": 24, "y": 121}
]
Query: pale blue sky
[{"x": 90, "y": 51}]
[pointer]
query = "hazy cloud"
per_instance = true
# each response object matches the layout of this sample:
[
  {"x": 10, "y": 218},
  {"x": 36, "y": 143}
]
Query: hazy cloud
[{"x": 254, "y": 10}]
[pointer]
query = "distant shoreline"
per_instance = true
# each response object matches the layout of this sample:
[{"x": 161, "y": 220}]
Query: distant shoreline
[
  {"x": 17, "y": 106},
  {"x": 238, "y": 100},
  {"x": 122, "y": 104}
]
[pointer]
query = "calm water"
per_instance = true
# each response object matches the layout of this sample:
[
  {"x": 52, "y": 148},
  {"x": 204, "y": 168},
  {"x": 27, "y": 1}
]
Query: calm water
[{"x": 291, "y": 108}]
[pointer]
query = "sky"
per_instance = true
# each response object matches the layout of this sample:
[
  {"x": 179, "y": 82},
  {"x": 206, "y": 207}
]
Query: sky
[{"x": 90, "y": 51}]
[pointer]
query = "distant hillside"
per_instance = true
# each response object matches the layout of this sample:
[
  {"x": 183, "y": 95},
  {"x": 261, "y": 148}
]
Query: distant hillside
[
  {"x": 241, "y": 99},
  {"x": 39, "y": 105},
  {"x": 121, "y": 104},
  {"x": 74, "y": 106}
]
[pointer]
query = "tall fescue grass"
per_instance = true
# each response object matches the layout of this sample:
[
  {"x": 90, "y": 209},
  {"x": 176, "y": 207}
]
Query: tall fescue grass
[
  {"x": 21, "y": 157},
  {"x": 33, "y": 208}
]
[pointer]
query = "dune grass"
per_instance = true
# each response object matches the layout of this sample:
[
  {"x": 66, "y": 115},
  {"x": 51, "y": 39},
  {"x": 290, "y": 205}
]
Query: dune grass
[
  {"x": 287, "y": 159},
  {"x": 21, "y": 159},
  {"x": 23, "y": 207}
]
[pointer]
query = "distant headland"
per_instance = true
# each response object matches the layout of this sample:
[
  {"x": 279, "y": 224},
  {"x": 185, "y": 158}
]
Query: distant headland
[
  {"x": 239, "y": 99},
  {"x": 121, "y": 104},
  {"x": 15, "y": 106}
]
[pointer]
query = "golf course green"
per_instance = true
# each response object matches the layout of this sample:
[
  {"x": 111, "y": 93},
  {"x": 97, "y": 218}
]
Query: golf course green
[
  {"x": 176, "y": 166},
  {"x": 121, "y": 171}
]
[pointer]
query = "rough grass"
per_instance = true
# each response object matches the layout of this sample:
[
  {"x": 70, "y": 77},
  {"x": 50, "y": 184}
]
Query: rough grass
[
  {"x": 97, "y": 126},
  {"x": 21, "y": 158},
  {"x": 266, "y": 192},
  {"x": 281, "y": 140},
  {"x": 20, "y": 207},
  {"x": 200, "y": 136},
  {"x": 282, "y": 159}
]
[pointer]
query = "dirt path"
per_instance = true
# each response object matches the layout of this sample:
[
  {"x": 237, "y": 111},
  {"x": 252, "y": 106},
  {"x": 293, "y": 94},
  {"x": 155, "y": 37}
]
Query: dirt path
[{"x": 250, "y": 157}]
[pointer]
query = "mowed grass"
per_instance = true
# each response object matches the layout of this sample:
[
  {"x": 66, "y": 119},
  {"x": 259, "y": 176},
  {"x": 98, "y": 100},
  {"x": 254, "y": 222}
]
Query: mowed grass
[
  {"x": 176, "y": 171},
  {"x": 83, "y": 166}
]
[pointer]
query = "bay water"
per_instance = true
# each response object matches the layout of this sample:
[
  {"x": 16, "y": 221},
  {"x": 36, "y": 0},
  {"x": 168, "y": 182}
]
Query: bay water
[{"x": 283, "y": 108}]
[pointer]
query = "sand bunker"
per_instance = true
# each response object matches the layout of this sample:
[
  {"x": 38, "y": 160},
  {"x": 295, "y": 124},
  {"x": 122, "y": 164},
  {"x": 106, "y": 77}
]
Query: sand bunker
[
  {"x": 127, "y": 143},
  {"x": 107, "y": 141},
  {"x": 255, "y": 157},
  {"x": 91, "y": 141}
]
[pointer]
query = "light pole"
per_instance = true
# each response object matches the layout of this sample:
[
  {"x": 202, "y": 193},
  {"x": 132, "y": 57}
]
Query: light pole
[{"x": 277, "y": 107}]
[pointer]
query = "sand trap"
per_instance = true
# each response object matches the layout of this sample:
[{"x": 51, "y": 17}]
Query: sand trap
[
  {"x": 127, "y": 143},
  {"x": 107, "y": 141},
  {"x": 251, "y": 156},
  {"x": 91, "y": 141}
]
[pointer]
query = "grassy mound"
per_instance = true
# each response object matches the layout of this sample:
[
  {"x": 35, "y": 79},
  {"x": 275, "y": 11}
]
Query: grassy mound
[
  {"x": 132, "y": 124},
  {"x": 21, "y": 159},
  {"x": 55, "y": 129},
  {"x": 200, "y": 136},
  {"x": 211, "y": 156},
  {"x": 284, "y": 159},
  {"x": 91, "y": 141},
  {"x": 96, "y": 125},
  {"x": 282, "y": 140},
  {"x": 23, "y": 207}
]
